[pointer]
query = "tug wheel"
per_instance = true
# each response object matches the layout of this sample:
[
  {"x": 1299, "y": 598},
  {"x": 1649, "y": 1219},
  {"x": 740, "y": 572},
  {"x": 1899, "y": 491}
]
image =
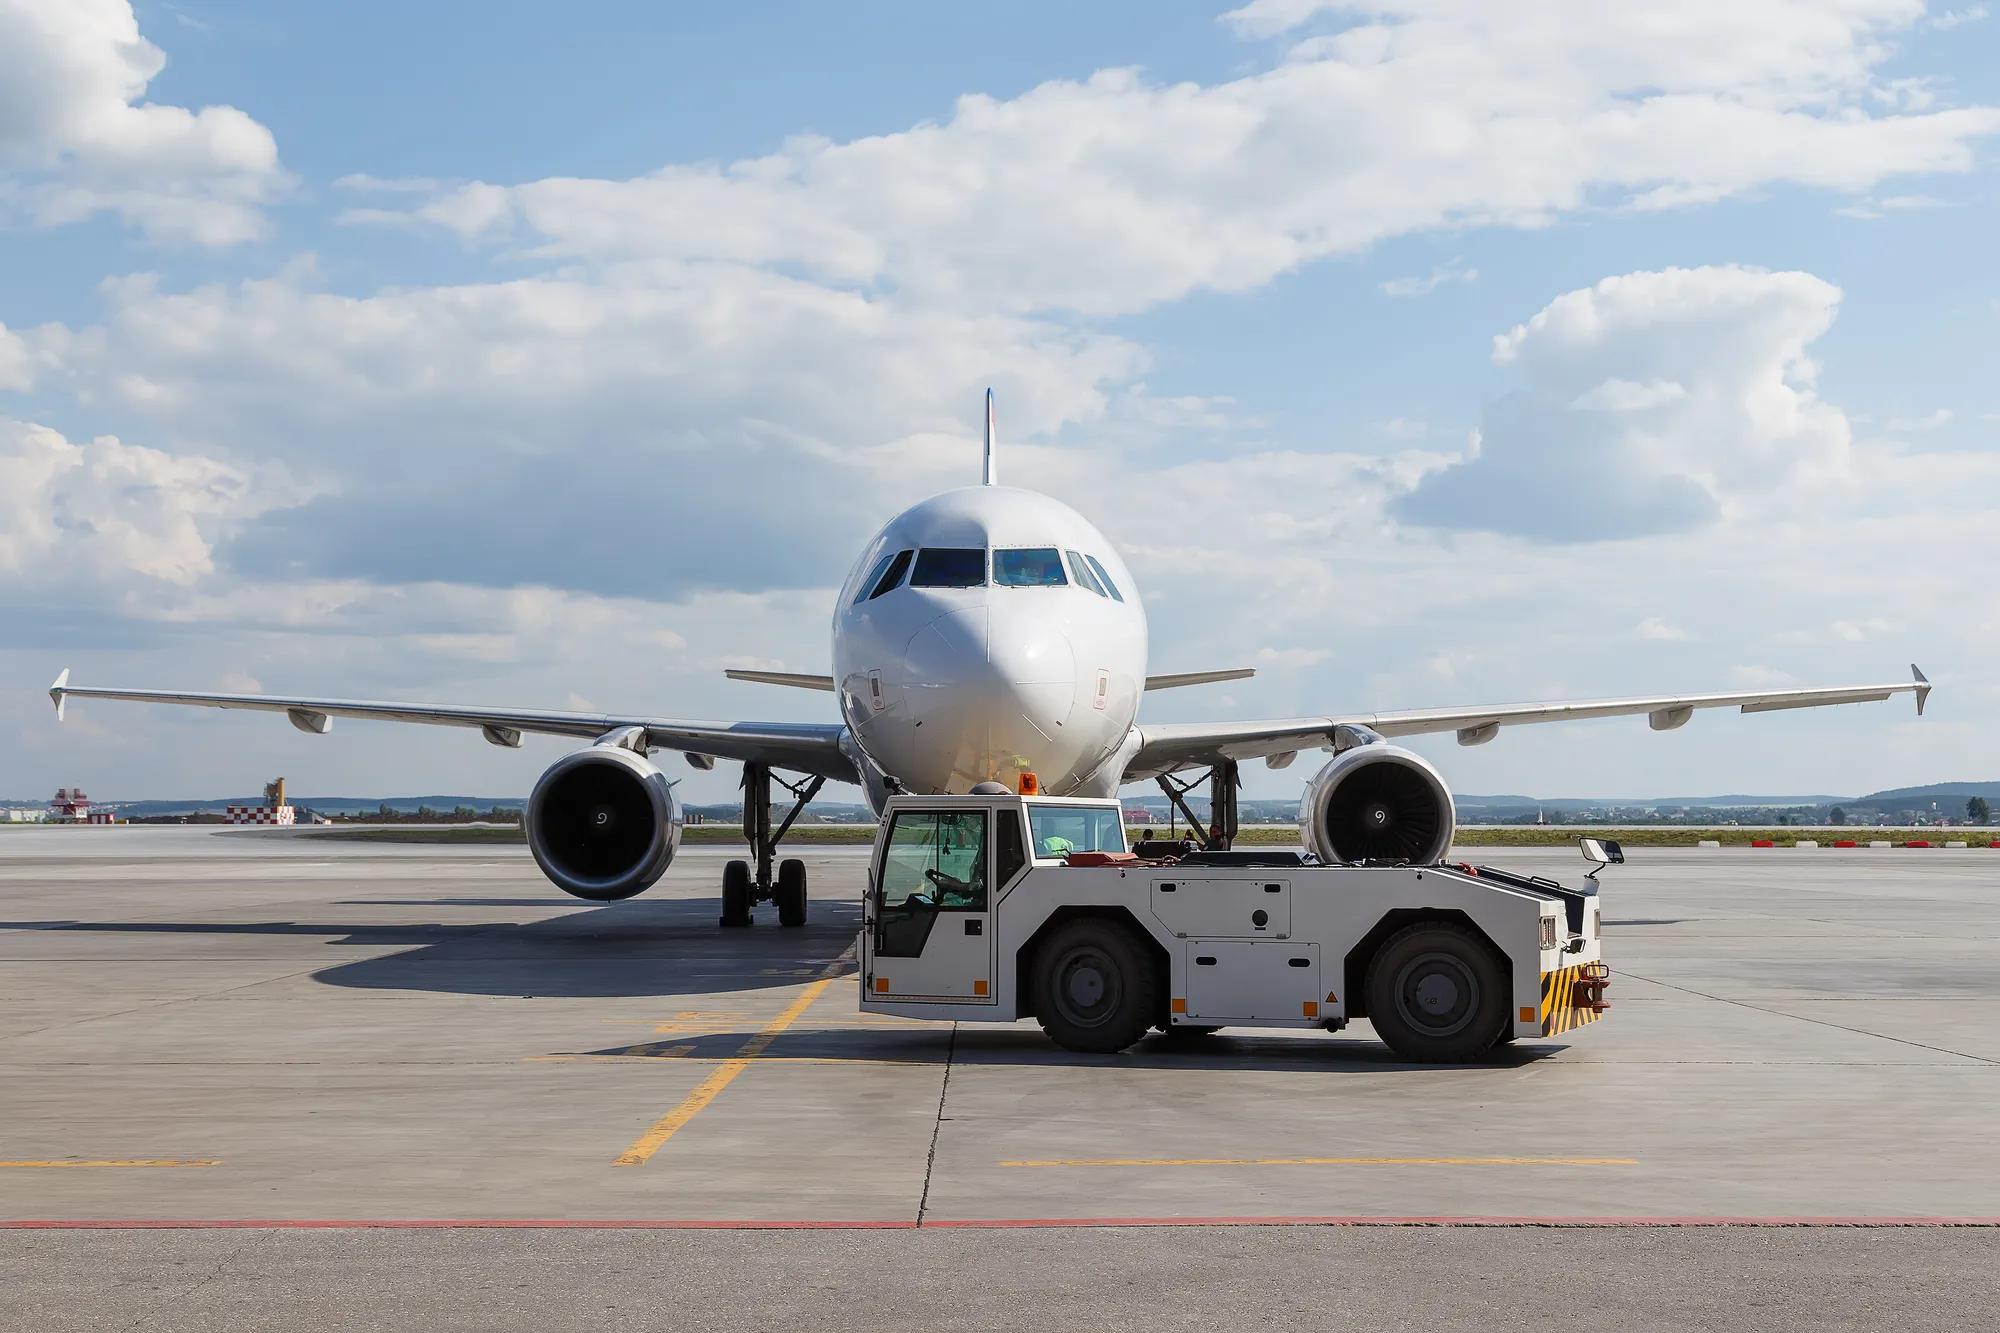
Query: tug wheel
[
  {"x": 1097, "y": 986},
  {"x": 790, "y": 892},
  {"x": 1437, "y": 994}
]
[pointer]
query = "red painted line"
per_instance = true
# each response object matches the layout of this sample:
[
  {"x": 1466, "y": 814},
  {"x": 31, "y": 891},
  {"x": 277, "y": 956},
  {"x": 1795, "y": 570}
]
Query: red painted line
[{"x": 957, "y": 1224}]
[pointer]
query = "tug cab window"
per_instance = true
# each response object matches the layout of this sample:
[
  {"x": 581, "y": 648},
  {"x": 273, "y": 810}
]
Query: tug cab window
[
  {"x": 1029, "y": 567},
  {"x": 935, "y": 862},
  {"x": 885, "y": 577},
  {"x": 950, "y": 567},
  {"x": 1059, "y": 830}
]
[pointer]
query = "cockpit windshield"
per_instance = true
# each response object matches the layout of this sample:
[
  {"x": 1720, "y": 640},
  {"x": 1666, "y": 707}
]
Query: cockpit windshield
[
  {"x": 950, "y": 567},
  {"x": 1029, "y": 567}
]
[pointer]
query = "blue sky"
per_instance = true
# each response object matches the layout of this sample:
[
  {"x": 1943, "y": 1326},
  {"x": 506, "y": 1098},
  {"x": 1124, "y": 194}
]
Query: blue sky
[{"x": 452, "y": 351}]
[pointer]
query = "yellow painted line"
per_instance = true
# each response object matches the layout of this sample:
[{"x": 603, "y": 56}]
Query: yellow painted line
[
  {"x": 1330, "y": 1161},
  {"x": 725, "y": 1073},
  {"x": 115, "y": 1161}
]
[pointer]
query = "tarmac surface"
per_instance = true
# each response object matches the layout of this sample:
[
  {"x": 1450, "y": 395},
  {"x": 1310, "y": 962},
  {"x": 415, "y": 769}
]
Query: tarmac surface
[{"x": 201, "y": 1028}]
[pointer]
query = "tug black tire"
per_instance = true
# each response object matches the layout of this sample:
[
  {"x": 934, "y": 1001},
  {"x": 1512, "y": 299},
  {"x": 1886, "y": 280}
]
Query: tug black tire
[
  {"x": 1097, "y": 986},
  {"x": 1437, "y": 994},
  {"x": 735, "y": 895},
  {"x": 790, "y": 893}
]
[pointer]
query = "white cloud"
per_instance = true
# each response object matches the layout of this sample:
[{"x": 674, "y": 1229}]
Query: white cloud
[
  {"x": 1114, "y": 194},
  {"x": 1453, "y": 271},
  {"x": 1402, "y": 428},
  {"x": 1292, "y": 658},
  {"x": 1658, "y": 630},
  {"x": 1616, "y": 395},
  {"x": 1649, "y": 403},
  {"x": 76, "y": 140},
  {"x": 1868, "y": 210},
  {"x": 104, "y": 513},
  {"x": 584, "y": 411},
  {"x": 1945, "y": 20},
  {"x": 1931, "y": 420}
]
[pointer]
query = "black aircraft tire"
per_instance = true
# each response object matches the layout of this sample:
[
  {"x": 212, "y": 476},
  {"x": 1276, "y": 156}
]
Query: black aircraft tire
[
  {"x": 1097, "y": 986},
  {"x": 735, "y": 895},
  {"x": 790, "y": 893},
  {"x": 1437, "y": 994}
]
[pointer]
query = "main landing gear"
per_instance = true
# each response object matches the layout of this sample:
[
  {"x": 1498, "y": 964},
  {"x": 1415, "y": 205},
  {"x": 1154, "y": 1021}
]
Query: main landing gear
[
  {"x": 747, "y": 883},
  {"x": 1222, "y": 780}
]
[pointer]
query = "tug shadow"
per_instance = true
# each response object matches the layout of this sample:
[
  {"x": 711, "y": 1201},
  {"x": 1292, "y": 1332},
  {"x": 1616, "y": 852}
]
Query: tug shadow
[{"x": 874, "y": 1041}]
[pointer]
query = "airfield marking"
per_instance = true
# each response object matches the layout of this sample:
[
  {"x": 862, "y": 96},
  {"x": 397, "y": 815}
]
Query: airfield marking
[
  {"x": 1526, "y": 1221},
  {"x": 111, "y": 1161},
  {"x": 711, "y": 1087},
  {"x": 1328, "y": 1161}
]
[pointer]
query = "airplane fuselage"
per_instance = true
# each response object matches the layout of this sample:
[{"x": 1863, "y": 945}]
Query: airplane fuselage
[{"x": 985, "y": 633}]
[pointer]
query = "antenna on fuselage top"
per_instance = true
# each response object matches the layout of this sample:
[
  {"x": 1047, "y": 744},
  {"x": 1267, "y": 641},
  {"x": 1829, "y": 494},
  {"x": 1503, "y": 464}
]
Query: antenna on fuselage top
[{"x": 990, "y": 476}]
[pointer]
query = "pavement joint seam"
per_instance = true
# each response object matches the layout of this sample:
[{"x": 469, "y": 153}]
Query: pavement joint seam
[
  {"x": 937, "y": 1126},
  {"x": 1821, "y": 1022}
]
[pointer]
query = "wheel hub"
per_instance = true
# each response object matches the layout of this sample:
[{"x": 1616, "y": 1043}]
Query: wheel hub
[{"x": 1438, "y": 993}]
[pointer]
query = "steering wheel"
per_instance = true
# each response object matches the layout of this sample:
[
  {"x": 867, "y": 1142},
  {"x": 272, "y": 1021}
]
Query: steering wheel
[{"x": 947, "y": 883}]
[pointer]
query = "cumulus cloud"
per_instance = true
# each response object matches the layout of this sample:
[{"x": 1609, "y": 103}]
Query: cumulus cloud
[
  {"x": 1454, "y": 271},
  {"x": 102, "y": 512},
  {"x": 1115, "y": 193},
  {"x": 671, "y": 427},
  {"x": 1647, "y": 401},
  {"x": 1659, "y": 631},
  {"x": 76, "y": 139}
]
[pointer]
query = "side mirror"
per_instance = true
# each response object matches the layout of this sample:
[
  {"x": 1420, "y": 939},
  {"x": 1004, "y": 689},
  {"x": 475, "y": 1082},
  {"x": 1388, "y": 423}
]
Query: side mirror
[{"x": 1602, "y": 852}]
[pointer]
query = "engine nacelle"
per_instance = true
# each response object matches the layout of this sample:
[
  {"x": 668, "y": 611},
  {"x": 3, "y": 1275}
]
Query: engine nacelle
[
  {"x": 603, "y": 823},
  {"x": 1377, "y": 803}
]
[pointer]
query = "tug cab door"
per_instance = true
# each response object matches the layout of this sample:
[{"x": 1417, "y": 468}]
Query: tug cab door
[{"x": 932, "y": 934}]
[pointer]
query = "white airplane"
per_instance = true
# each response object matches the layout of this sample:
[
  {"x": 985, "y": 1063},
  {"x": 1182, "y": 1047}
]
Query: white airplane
[{"x": 988, "y": 634}]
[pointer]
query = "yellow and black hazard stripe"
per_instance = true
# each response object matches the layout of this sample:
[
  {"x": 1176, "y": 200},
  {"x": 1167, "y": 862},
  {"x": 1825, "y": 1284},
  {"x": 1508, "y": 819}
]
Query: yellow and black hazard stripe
[{"x": 1573, "y": 996}]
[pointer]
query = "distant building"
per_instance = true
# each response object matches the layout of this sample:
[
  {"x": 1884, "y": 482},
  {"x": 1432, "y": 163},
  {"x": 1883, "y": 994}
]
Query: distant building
[
  {"x": 1135, "y": 814},
  {"x": 23, "y": 815}
]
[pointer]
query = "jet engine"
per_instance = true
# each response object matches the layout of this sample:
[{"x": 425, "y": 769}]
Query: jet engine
[
  {"x": 1377, "y": 803},
  {"x": 603, "y": 823}
]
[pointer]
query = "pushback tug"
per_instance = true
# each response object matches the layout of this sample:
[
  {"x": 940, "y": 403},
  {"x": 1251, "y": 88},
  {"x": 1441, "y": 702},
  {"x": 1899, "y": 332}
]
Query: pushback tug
[{"x": 998, "y": 905}]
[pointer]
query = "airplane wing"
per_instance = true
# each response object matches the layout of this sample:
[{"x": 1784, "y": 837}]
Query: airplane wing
[
  {"x": 1173, "y": 680},
  {"x": 801, "y": 746},
  {"x": 1167, "y": 747}
]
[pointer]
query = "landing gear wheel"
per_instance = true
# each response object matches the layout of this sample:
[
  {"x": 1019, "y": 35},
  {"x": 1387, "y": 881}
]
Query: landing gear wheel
[
  {"x": 1436, "y": 994},
  {"x": 791, "y": 892},
  {"x": 736, "y": 894},
  {"x": 1097, "y": 986}
]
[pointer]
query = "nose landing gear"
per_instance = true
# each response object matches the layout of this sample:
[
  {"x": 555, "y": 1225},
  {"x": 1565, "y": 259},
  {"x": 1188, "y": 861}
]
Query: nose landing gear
[{"x": 747, "y": 883}]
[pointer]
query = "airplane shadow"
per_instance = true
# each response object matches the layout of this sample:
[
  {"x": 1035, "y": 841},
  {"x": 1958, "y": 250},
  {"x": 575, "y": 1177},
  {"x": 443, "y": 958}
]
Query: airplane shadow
[{"x": 635, "y": 948}]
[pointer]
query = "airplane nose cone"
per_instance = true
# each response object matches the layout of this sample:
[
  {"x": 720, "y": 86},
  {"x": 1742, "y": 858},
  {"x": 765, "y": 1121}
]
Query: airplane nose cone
[{"x": 991, "y": 694}]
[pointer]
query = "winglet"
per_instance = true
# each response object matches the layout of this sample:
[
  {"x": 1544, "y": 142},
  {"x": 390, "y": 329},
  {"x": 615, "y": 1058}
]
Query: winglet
[
  {"x": 1923, "y": 687},
  {"x": 990, "y": 475},
  {"x": 58, "y": 690}
]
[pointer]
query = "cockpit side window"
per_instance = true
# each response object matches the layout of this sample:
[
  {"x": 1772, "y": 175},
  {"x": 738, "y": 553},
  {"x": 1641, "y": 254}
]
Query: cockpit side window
[
  {"x": 866, "y": 590},
  {"x": 1084, "y": 577},
  {"x": 891, "y": 574},
  {"x": 1029, "y": 567},
  {"x": 1097, "y": 568},
  {"x": 950, "y": 567}
]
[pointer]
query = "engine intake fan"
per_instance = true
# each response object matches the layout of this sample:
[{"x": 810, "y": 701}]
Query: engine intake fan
[
  {"x": 1377, "y": 803},
  {"x": 603, "y": 823}
]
